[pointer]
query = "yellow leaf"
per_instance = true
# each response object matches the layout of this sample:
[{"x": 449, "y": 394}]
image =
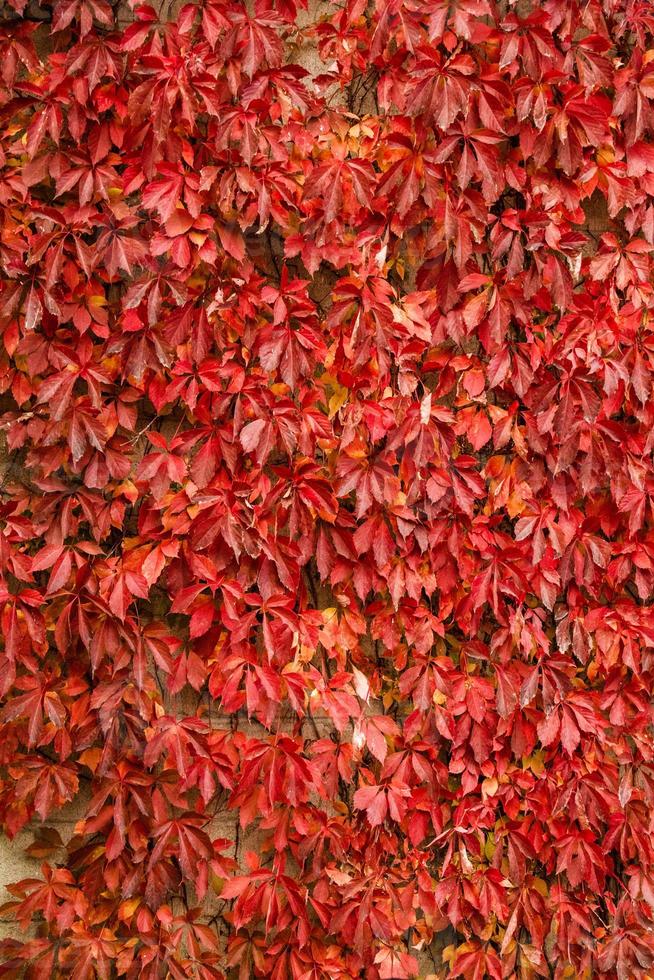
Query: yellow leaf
[
  {"x": 448, "y": 954},
  {"x": 534, "y": 762},
  {"x": 127, "y": 489},
  {"x": 490, "y": 786},
  {"x": 515, "y": 504},
  {"x": 217, "y": 883},
  {"x": 541, "y": 887},
  {"x": 338, "y": 399},
  {"x": 90, "y": 758},
  {"x": 128, "y": 908},
  {"x": 605, "y": 155}
]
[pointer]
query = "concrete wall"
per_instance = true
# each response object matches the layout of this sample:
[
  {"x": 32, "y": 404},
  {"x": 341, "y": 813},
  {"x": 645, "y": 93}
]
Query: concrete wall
[{"x": 16, "y": 863}]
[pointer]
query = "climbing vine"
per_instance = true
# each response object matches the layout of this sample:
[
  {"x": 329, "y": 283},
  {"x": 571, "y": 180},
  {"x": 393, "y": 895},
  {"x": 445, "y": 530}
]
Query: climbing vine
[{"x": 326, "y": 504}]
